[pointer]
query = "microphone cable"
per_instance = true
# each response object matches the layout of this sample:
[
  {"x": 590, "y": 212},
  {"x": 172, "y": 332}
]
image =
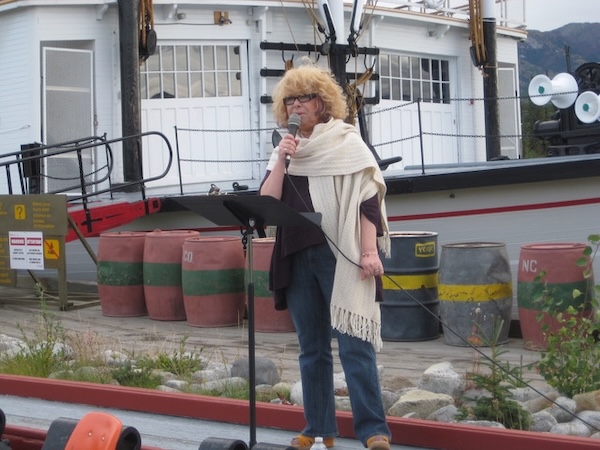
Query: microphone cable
[{"x": 441, "y": 322}]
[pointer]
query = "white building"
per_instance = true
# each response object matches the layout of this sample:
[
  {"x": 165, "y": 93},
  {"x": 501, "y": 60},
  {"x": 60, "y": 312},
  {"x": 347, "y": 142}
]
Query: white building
[{"x": 60, "y": 77}]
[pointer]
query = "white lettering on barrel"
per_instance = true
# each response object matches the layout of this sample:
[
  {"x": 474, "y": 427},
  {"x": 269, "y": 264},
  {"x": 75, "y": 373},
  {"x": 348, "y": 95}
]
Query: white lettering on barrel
[
  {"x": 529, "y": 265},
  {"x": 188, "y": 256}
]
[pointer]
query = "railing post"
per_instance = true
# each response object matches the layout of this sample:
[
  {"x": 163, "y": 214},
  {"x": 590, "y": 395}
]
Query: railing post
[{"x": 421, "y": 135}]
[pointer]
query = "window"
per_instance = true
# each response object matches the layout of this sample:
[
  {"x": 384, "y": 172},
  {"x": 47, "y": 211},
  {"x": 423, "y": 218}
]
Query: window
[
  {"x": 191, "y": 71},
  {"x": 409, "y": 78}
]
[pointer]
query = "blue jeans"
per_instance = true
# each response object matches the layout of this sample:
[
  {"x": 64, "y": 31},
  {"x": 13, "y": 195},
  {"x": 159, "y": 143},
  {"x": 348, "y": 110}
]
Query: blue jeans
[{"x": 308, "y": 299}]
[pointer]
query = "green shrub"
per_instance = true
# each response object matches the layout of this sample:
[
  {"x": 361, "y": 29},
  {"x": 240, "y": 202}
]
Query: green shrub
[{"x": 498, "y": 379}]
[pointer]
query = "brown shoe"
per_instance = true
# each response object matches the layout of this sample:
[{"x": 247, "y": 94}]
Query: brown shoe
[
  {"x": 302, "y": 442},
  {"x": 378, "y": 442}
]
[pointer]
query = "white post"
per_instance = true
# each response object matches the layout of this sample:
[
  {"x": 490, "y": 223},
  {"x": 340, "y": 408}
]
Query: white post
[
  {"x": 337, "y": 13},
  {"x": 488, "y": 10}
]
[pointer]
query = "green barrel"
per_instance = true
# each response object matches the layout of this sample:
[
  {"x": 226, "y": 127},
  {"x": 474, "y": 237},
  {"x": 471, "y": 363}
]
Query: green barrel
[
  {"x": 121, "y": 274},
  {"x": 162, "y": 273},
  {"x": 266, "y": 318},
  {"x": 213, "y": 281}
]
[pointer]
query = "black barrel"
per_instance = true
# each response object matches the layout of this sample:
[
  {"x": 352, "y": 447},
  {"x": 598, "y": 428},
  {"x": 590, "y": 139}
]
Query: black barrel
[{"x": 409, "y": 311}]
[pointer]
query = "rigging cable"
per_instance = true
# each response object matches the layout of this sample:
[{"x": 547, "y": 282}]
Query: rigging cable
[
  {"x": 478, "y": 52},
  {"x": 147, "y": 35}
]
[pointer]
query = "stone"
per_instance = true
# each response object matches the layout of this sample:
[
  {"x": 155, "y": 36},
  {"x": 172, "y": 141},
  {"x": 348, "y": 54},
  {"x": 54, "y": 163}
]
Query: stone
[
  {"x": 212, "y": 372},
  {"x": 525, "y": 394},
  {"x": 563, "y": 409},
  {"x": 180, "y": 385},
  {"x": 342, "y": 403},
  {"x": 446, "y": 414},
  {"x": 540, "y": 403},
  {"x": 442, "y": 379},
  {"x": 10, "y": 346},
  {"x": 115, "y": 359},
  {"x": 588, "y": 401},
  {"x": 266, "y": 372},
  {"x": 219, "y": 386},
  {"x": 422, "y": 403},
  {"x": 591, "y": 419},
  {"x": 542, "y": 421},
  {"x": 164, "y": 388},
  {"x": 389, "y": 398},
  {"x": 483, "y": 423},
  {"x": 296, "y": 394},
  {"x": 573, "y": 428}
]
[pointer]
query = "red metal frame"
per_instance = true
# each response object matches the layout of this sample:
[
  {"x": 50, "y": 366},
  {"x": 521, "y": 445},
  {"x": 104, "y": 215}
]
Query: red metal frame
[{"x": 95, "y": 219}]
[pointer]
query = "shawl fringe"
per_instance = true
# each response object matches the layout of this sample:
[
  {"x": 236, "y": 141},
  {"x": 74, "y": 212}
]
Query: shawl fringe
[{"x": 356, "y": 325}]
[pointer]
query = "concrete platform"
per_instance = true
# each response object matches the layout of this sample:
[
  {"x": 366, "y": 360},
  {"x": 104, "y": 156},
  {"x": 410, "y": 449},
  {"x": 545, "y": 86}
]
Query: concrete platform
[{"x": 162, "y": 431}]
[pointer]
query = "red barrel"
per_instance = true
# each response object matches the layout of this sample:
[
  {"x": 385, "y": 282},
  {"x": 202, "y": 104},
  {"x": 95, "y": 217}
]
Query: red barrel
[
  {"x": 120, "y": 274},
  {"x": 266, "y": 318},
  {"x": 562, "y": 275},
  {"x": 162, "y": 273},
  {"x": 213, "y": 281}
]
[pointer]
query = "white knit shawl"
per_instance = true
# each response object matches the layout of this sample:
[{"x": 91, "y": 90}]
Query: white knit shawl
[{"x": 342, "y": 173}]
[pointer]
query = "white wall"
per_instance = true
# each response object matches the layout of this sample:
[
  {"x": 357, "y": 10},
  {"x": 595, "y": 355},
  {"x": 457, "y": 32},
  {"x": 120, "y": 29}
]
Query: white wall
[{"x": 19, "y": 89}]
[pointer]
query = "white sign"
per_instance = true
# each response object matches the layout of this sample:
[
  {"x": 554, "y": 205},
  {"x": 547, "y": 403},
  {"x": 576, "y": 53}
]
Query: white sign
[{"x": 26, "y": 250}]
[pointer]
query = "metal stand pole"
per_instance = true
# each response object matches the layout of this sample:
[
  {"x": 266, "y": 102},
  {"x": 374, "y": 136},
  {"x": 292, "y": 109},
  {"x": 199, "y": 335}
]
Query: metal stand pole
[{"x": 251, "y": 340}]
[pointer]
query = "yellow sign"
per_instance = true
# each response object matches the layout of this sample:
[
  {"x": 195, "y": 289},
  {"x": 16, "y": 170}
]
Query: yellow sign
[
  {"x": 20, "y": 212},
  {"x": 51, "y": 249}
]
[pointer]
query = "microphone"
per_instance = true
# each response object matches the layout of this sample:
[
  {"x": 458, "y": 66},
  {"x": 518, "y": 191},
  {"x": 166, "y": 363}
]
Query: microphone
[{"x": 294, "y": 122}]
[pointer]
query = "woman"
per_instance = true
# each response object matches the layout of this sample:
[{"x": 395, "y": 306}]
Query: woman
[{"x": 326, "y": 276}]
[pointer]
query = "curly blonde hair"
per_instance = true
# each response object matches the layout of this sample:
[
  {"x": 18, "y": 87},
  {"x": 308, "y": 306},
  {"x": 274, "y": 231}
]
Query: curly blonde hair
[{"x": 309, "y": 79}]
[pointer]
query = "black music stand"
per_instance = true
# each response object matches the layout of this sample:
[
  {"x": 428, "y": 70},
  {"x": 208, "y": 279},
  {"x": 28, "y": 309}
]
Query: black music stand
[{"x": 249, "y": 212}]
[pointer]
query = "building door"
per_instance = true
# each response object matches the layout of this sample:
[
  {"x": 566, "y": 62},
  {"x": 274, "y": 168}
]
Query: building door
[
  {"x": 68, "y": 113},
  {"x": 397, "y": 120},
  {"x": 202, "y": 89}
]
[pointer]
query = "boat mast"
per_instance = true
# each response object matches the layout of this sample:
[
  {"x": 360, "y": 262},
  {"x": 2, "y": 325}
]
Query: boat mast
[
  {"x": 490, "y": 81},
  {"x": 130, "y": 95}
]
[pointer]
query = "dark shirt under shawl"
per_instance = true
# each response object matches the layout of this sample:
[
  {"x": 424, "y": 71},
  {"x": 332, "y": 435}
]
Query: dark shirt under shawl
[{"x": 290, "y": 240}]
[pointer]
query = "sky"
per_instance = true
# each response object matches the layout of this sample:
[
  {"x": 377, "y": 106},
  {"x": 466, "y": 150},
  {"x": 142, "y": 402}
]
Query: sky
[{"x": 546, "y": 15}]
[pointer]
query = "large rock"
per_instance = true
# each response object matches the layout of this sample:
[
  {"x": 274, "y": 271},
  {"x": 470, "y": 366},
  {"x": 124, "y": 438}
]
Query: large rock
[
  {"x": 213, "y": 371},
  {"x": 446, "y": 414},
  {"x": 266, "y": 371},
  {"x": 10, "y": 346},
  {"x": 421, "y": 403},
  {"x": 542, "y": 421},
  {"x": 563, "y": 409},
  {"x": 591, "y": 419},
  {"x": 541, "y": 403},
  {"x": 442, "y": 379},
  {"x": 588, "y": 401},
  {"x": 574, "y": 428}
]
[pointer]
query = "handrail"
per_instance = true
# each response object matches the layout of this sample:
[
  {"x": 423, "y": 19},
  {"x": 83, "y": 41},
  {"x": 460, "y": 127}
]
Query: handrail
[
  {"x": 75, "y": 147},
  {"x": 33, "y": 155},
  {"x": 141, "y": 181}
]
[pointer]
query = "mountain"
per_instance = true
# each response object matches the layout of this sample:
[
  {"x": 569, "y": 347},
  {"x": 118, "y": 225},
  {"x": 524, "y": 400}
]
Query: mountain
[{"x": 544, "y": 52}]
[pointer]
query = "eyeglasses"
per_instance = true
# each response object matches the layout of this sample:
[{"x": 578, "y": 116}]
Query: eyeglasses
[{"x": 301, "y": 98}]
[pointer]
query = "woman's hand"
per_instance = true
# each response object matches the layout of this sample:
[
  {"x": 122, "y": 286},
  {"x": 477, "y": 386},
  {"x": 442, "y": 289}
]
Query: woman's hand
[
  {"x": 287, "y": 146},
  {"x": 370, "y": 265}
]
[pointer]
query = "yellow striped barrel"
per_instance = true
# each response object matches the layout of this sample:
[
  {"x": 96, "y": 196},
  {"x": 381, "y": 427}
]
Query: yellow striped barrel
[
  {"x": 475, "y": 293},
  {"x": 409, "y": 311}
]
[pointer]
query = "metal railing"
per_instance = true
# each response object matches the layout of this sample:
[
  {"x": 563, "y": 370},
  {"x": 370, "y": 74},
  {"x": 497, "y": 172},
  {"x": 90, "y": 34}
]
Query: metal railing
[{"x": 29, "y": 165}]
